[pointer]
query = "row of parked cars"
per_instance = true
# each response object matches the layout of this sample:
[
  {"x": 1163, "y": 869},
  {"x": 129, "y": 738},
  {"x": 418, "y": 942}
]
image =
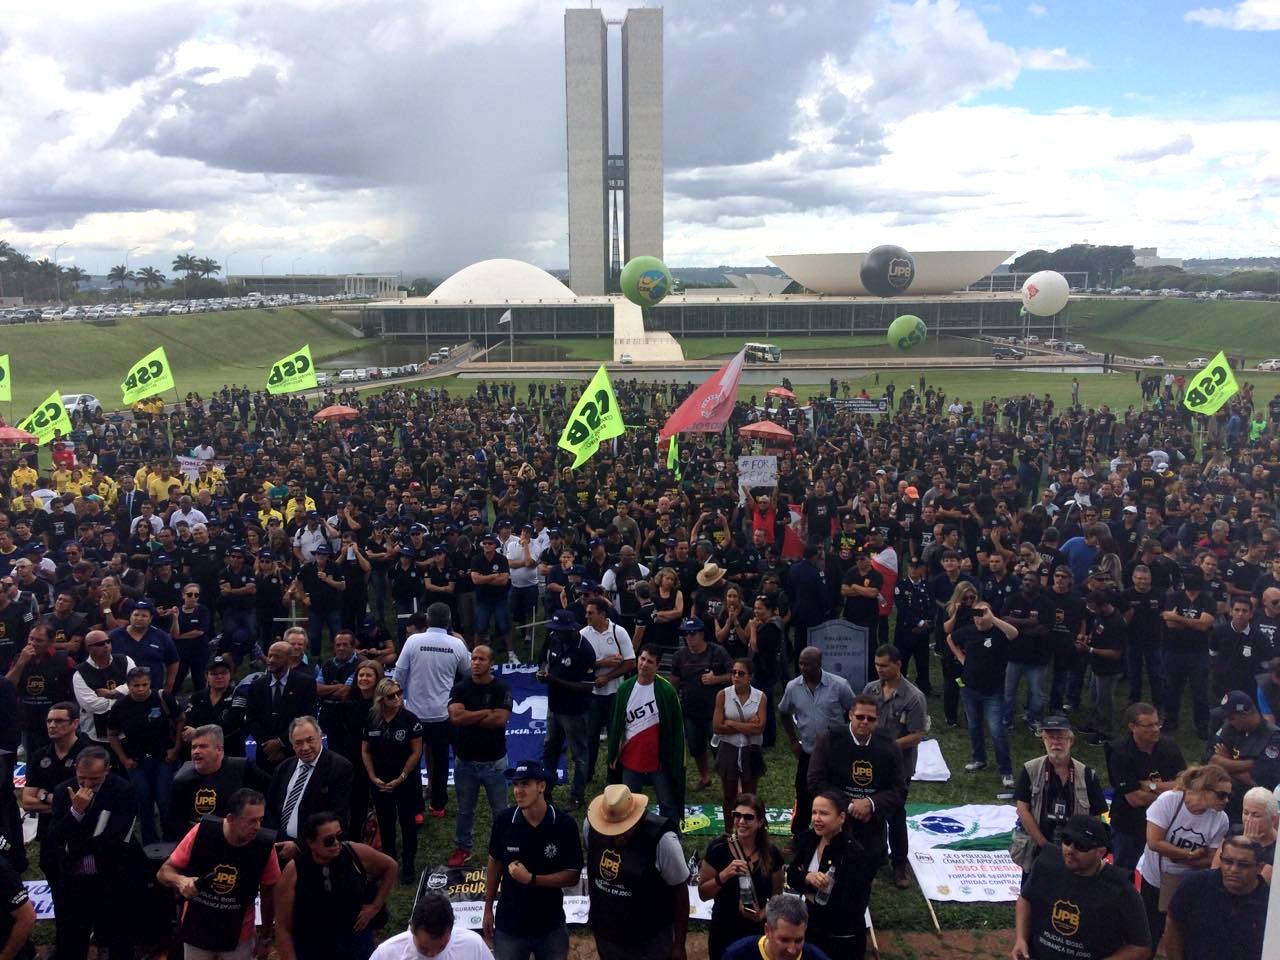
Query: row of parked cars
[
  {"x": 101, "y": 311},
  {"x": 1187, "y": 294}
]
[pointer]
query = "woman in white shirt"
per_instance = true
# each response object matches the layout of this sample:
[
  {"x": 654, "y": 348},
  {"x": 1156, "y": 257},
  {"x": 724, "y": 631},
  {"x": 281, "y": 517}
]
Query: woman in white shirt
[
  {"x": 1184, "y": 829},
  {"x": 738, "y": 722}
]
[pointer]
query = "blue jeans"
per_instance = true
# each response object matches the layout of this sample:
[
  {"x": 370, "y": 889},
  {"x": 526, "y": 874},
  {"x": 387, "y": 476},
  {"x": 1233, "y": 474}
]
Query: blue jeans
[
  {"x": 664, "y": 785},
  {"x": 152, "y": 781},
  {"x": 570, "y": 728},
  {"x": 493, "y": 612},
  {"x": 239, "y": 631},
  {"x": 552, "y": 945},
  {"x": 1137, "y": 655},
  {"x": 986, "y": 707},
  {"x": 317, "y": 621},
  {"x": 1035, "y": 674},
  {"x": 1189, "y": 668},
  {"x": 468, "y": 777}
]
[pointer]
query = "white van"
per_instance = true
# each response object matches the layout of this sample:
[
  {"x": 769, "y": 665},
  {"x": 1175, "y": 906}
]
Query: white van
[
  {"x": 362, "y": 373},
  {"x": 347, "y": 376}
]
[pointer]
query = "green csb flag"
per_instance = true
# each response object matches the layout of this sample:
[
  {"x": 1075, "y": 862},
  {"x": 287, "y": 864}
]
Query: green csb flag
[
  {"x": 6, "y": 388},
  {"x": 149, "y": 376},
  {"x": 595, "y": 418},
  {"x": 292, "y": 373},
  {"x": 1211, "y": 387},
  {"x": 673, "y": 458},
  {"x": 47, "y": 420}
]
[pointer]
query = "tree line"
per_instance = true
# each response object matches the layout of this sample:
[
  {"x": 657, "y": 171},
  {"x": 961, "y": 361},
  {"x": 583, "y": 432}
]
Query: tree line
[{"x": 39, "y": 280}]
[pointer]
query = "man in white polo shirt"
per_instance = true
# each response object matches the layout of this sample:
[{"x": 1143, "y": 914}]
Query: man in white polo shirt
[
  {"x": 430, "y": 663},
  {"x": 615, "y": 658}
]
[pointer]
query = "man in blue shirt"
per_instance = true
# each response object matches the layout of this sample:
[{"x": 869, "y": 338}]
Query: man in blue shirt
[
  {"x": 147, "y": 646},
  {"x": 786, "y": 920},
  {"x": 534, "y": 853}
]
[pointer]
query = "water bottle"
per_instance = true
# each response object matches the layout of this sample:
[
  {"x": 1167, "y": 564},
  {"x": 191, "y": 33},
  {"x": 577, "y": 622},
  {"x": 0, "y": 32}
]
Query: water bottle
[
  {"x": 746, "y": 887},
  {"x": 823, "y": 897},
  {"x": 250, "y": 748}
]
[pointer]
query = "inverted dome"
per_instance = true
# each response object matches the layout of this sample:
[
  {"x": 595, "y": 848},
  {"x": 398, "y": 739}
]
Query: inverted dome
[
  {"x": 937, "y": 271},
  {"x": 493, "y": 281}
]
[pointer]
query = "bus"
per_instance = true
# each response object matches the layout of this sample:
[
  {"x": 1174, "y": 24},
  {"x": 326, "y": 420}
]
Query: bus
[{"x": 764, "y": 352}]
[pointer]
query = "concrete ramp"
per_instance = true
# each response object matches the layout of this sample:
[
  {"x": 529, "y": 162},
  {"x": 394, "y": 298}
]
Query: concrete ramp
[{"x": 630, "y": 336}]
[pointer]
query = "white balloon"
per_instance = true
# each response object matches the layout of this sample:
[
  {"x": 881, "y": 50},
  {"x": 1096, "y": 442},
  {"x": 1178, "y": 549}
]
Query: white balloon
[{"x": 1045, "y": 293}]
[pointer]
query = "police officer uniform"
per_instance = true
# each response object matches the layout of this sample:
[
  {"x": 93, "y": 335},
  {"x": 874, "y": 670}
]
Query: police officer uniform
[{"x": 1261, "y": 745}]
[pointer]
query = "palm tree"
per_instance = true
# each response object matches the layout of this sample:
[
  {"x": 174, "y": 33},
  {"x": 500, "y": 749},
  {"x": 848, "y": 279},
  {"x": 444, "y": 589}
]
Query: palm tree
[
  {"x": 151, "y": 278},
  {"x": 121, "y": 275},
  {"x": 185, "y": 263},
  {"x": 207, "y": 266},
  {"x": 75, "y": 275}
]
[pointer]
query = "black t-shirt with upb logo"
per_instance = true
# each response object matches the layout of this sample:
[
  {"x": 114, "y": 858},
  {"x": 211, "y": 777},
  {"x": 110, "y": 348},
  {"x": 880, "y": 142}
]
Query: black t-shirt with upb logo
[{"x": 1081, "y": 918}]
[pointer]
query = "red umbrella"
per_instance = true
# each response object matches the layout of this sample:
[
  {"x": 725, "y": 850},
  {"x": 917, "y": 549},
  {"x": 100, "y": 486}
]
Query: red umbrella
[
  {"x": 337, "y": 412},
  {"x": 768, "y": 431},
  {"x": 782, "y": 392},
  {"x": 14, "y": 435}
]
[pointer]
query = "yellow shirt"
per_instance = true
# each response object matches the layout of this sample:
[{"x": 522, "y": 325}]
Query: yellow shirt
[
  {"x": 109, "y": 491},
  {"x": 61, "y": 480},
  {"x": 158, "y": 487},
  {"x": 291, "y": 508},
  {"x": 23, "y": 475}
]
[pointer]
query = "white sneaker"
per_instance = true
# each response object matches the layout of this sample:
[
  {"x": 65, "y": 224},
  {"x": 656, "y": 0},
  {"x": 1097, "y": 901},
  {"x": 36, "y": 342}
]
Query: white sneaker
[
  {"x": 512, "y": 658},
  {"x": 1007, "y": 780},
  {"x": 974, "y": 766}
]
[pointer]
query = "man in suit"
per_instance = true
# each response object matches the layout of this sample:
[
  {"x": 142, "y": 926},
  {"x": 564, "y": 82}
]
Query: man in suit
[
  {"x": 91, "y": 836},
  {"x": 274, "y": 701},
  {"x": 128, "y": 506},
  {"x": 313, "y": 779}
]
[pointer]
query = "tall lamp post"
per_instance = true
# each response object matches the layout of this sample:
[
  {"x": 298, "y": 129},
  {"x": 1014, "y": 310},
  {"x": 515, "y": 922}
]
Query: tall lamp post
[
  {"x": 128, "y": 253},
  {"x": 293, "y": 282},
  {"x": 262, "y": 268}
]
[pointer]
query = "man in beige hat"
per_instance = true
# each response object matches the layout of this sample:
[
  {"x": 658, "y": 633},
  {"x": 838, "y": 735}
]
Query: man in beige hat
[
  {"x": 637, "y": 879},
  {"x": 708, "y": 599}
]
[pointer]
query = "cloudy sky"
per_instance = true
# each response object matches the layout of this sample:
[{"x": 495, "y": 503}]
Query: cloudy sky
[{"x": 420, "y": 135}]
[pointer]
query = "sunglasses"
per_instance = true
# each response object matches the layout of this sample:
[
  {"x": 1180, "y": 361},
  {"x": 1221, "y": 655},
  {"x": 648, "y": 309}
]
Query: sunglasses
[
  {"x": 737, "y": 673},
  {"x": 1083, "y": 844},
  {"x": 333, "y": 839},
  {"x": 1223, "y": 795},
  {"x": 863, "y": 718},
  {"x": 394, "y": 694},
  {"x": 191, "y": 594},
  {"x": 744, "y": 817},
  {"x": 102, "y": 643}
]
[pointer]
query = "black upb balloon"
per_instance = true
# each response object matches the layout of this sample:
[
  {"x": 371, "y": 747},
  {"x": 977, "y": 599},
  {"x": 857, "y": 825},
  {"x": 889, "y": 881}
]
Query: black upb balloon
[{"x": 887, "y": 271}]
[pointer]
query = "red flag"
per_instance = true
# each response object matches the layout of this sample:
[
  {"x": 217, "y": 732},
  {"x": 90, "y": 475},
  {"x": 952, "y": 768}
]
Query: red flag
[
  {"x": 792, "y": 539},
  {"x": 886, "y": 561},
  {"x": 707, "y": 409}
]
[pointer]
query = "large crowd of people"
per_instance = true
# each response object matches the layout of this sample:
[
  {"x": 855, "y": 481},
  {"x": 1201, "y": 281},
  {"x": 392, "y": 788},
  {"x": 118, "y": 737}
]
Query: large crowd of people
[{"x": 232, "y": 636}]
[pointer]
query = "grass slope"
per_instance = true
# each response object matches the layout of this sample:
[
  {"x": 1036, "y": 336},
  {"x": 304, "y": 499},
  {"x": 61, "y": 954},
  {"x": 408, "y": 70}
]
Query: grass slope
[
  {"x": 1179, "y": 329},
  {"x": 206, "y": 351},
  {"x": 699, "y": 348}
]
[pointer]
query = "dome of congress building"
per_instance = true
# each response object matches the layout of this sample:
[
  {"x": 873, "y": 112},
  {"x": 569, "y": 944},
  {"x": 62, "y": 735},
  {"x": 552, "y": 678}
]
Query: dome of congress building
[{"x": 493, "y": 281}]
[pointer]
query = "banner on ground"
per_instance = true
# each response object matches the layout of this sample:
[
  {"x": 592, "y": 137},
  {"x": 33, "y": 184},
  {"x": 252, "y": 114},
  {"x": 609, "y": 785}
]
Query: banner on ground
[
  {"x": 962, "y": 853},
  {"x": 464, "y": 886},
  {"x": 6, "y": 387},
  {"x": 1211, "y": 387},
  {"x": 707, "y": 409},
  {"x": 292, "y": 373},
  {"x": 47, "y": 420},
  {"x": 149, "y": 376},
  {"x": 595, "y": 418}
]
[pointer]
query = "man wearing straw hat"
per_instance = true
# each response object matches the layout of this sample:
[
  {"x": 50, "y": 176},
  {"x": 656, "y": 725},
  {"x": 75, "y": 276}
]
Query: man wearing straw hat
[{"x": 637, "y": 879}]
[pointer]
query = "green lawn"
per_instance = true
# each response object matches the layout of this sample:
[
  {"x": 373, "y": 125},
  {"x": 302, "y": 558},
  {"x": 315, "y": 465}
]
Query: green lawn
[
  {"x": 206, "y": 351},
  {"x": 699, "y": 348},
  {"x": 1179, "y": 329}
]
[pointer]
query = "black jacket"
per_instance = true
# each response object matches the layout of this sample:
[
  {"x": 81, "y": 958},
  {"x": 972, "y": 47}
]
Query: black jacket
[
  {"x": 874, "y": 772},
  {"x": 265, "y": 721},
  {"x": 328, "y": 789},
  {"x": 105, "y": 831}
]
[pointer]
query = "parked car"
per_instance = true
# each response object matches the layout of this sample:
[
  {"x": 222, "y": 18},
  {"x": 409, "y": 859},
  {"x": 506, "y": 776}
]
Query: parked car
[
  {"x": 444, "y": 352},
  {"x": 434, "y": 358},
  {"x": 1007, "y": 353},
  {"x": 1155, "y": 360},
  {"x": 362, "y": 373},
  {"x": 1076, "y": 347},
  {"x": 625, "y": 358},
  {"x": 323, "y": 380},
  {"x": 1271, "y": 365},
  {"x": 347, "y": 376},
  {"x": 1055, "y": 344},
  {"x": 83, "y": 401},
  {"x": 1198, "y": 363}
]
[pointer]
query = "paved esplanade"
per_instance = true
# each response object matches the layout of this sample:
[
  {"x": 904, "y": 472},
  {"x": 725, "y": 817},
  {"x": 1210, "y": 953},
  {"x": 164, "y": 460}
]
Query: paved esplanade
[{"x": 645, "y": 346}]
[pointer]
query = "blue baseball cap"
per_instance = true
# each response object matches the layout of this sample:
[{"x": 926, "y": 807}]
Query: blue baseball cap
[
  {"x": 323, "y": 550},
  {"x": 1236, "y": 701},
  {"x": 161, "y": 560},
  {"x": 692, "y": 625},
  {"x": 563, "y": 621},
  {"x": 530, "y": 770}
]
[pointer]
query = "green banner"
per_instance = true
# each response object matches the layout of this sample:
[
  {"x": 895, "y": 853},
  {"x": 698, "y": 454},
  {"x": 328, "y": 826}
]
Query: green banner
[
  {"x": 292, "y": 373},
  {"x": 149, "y": 376},
  {"x": 707, "y": 820},
  {"x": 1211, "y": 387},
  {"x": 6, "y": 388},
  {"x": 47, "y": 420},
  {"x": 595, "y": 418},
  {"x": 673, "y": 457}
]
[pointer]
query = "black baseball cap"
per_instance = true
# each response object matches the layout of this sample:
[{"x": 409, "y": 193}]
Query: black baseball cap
[{"x": 1085, "y": 833}]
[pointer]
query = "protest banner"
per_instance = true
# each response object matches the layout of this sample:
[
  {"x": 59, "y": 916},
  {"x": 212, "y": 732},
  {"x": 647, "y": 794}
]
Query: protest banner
[
  {"x": 595, "y": 418},
  {"x": 292, "y": 373},
  {"x": 149, "y": 376},
  {"x": 47, "y": 420},
  {"x": 1211, "y": 387},
  {"x": 6, "y": 387}
]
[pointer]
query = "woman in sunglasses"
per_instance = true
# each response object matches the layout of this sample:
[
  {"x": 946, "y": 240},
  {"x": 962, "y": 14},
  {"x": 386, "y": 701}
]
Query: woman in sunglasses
[
  {"x": 391, "y": 749},
  {"x": 738, "y": 722},
  {"x": 329, "y": 896},
  {"x": 1185, "y": 826},
  {"x": 745, "y": 852}
]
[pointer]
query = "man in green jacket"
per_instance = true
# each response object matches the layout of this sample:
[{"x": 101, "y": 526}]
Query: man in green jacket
[{"x": 646, "y": 735}]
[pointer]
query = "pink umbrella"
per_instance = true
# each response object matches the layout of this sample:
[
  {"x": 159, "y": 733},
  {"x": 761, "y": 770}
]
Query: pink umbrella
[
  {"x": 337, "y": 412},
  {"x": 782, "y": 392},
  {"x": 767, "y": 431},
  {"x": 14, "y": 435}
]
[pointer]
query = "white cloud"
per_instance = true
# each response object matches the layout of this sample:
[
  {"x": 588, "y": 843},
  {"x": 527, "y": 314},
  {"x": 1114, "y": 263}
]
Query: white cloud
[
  {"x": 1038, "y": 10},
  {"x": 1246, "y": 15},
  {"x": 1056, "y": 59}
]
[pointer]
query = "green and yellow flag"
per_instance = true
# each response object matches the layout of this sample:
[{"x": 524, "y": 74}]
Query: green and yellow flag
[
  {"x": 1211, "y": 387},
  {"x": 595, "y": 418},
  {"x": 149, "y": 376},
  {"x": 6, "y": 388},
  {"x": 673, "y": 458},
  {"x": 292, "y": 373},
  {"x": 47, "y": 420}
]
